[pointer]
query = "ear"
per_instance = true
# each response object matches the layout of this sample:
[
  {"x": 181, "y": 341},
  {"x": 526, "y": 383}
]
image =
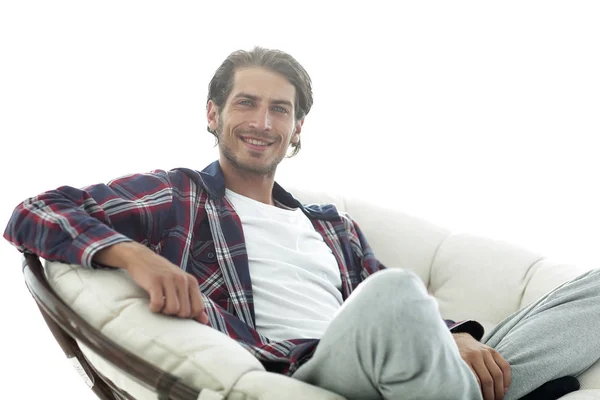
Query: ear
[
  {"x": 297, "y": 130},
  {"x": 212, "y": 115}
]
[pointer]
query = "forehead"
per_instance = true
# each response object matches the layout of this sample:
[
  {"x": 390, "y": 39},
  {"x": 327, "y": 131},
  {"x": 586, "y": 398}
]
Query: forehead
[{"x": 263, "y": 83}]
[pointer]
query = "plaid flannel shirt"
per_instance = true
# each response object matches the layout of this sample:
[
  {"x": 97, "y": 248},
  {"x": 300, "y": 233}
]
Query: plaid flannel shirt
[{"x": 184, "y": 216}]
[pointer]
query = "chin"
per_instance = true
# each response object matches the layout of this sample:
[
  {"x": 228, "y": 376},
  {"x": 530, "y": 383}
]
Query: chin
[
  {"x": 256, "y": 168},
  {"x": 247, "y": 163},
  {"x": 260, "y": 169}
]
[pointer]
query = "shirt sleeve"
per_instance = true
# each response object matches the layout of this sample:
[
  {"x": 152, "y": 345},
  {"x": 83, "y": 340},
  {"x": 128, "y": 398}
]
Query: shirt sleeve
[
  {"x": 71, "y": 225},
  {"x": 469, "y": 326}
]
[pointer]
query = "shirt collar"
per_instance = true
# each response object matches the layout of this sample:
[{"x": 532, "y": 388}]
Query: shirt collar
[{"x": 212, "y": 180}]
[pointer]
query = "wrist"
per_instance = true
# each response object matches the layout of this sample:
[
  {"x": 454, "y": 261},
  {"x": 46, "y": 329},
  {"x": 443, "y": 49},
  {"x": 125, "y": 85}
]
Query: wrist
[
  {"x": 463, "y": 337},
  {"x": 461, "y": 334},
  {"x": 119, "y": 255}
]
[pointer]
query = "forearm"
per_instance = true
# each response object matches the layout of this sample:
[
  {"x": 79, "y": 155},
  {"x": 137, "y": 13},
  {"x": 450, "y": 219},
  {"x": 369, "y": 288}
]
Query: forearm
[
  {"x": 55, "y": 227},
  {"x": 120, "y": 255},
  {"x": 71, "y": 225}
]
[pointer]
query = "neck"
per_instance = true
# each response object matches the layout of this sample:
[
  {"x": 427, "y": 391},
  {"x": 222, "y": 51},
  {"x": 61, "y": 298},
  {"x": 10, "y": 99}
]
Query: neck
[{"x": 255, "y": 186}]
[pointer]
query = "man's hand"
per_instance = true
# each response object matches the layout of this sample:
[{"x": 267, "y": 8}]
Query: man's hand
[
  {"x": 172, "y": 291},
  {"x": 491, "y": 370}
]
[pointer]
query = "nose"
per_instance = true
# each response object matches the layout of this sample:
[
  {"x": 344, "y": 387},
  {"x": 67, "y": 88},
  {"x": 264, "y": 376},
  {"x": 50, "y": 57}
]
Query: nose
[{"x": 261, "y": 119}]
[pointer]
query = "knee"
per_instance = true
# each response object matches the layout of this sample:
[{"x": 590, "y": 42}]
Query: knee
[
  {"x": 588, "y": 282},
  {"x": 592, "y": 283},
  {"x": 395, "y": 282},
  {"x": 397, "y": 300},
  {"x": 595, "y": 274}
]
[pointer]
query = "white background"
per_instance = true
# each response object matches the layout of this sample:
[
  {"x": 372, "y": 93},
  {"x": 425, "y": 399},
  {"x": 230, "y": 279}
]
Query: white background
[{"x": 480, "y": 117}]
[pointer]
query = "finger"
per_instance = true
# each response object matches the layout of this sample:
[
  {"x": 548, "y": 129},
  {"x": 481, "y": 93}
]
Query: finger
[
  {"x": 156, "y": 298},
  {"x": 496, "y": 374},
  {"x": 171, "y": 300},
  {"x": 486, "y": 380},
  {"x": 476, "y": 377},
  {"x": 203, "y": 319},
  {"x": 505, "y": 367},
  {"x": 196, "y": 302},
  {"x": 182, "y": 288},
  {"x": 478, "y": 380}
]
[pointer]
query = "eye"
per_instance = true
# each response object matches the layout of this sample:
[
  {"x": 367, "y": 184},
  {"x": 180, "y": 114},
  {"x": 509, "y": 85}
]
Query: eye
[
  {"x": 245, "y": 102},
  {"x": 280, "y": 109}
]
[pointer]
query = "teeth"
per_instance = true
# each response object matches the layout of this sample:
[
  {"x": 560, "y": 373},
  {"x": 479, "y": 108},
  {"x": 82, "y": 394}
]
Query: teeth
[{"x": 256, "y": 142}]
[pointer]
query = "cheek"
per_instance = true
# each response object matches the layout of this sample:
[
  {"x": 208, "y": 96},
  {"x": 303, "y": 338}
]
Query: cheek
[
  {"x": 286, "y": 130},
  {"x": 230, "y": 127}
]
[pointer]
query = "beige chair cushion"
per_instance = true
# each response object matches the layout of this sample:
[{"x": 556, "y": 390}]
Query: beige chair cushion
[{"x": 201, "y": 356}]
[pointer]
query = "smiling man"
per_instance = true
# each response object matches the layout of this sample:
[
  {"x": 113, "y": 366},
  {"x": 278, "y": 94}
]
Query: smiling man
[{"x": 298, "y": 286}]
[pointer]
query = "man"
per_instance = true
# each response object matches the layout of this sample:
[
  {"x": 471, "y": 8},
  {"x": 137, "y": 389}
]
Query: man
[{"x": 229, "y": 247}]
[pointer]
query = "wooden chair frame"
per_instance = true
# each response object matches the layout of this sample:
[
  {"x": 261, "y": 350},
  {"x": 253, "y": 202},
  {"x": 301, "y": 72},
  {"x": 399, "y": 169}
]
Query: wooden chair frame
[{"x": 67, "y": 327}]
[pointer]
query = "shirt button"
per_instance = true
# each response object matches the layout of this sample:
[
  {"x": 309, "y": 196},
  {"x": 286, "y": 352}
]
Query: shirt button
[{"x": 211, "y": 255}]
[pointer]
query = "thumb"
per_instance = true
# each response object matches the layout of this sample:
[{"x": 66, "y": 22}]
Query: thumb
[
  {"x": 156, "y": 298},
  {"x": 202, "y": 318}
]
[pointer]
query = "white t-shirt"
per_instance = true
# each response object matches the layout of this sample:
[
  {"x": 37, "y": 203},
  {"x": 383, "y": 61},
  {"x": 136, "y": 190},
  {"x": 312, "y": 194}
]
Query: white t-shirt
[{"x": 295, "y": 278}]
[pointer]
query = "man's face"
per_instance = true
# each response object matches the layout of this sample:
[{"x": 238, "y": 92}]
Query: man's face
[{"x": 256, "y": 124}]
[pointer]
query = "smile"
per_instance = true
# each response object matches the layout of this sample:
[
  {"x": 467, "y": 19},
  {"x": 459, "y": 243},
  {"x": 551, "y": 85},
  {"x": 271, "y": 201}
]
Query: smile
[{"x": 255, "y": 143}]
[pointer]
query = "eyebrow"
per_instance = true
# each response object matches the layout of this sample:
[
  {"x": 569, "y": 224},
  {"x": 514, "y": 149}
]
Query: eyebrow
[{"x": 256, "y": 98}]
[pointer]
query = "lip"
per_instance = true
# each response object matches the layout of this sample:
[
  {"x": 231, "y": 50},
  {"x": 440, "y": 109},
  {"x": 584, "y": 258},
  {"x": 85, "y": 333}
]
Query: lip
[{"x": 253, "y": 146}]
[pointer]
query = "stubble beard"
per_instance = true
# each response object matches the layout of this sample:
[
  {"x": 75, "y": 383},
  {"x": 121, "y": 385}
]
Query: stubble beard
[{"x": 246, "y": 168}]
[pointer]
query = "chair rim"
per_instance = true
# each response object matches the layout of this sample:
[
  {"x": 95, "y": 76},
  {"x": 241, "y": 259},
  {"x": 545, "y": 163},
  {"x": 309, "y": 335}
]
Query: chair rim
[{"x": 67, "y": 327}]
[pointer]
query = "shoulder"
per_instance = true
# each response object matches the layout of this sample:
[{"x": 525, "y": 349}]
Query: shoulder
[
  {"x": 320, "y": 205},
  {"x": 154, "y": 177},
  {"x": 329, "y": 212},
  {"x": 174, "y": 181}
]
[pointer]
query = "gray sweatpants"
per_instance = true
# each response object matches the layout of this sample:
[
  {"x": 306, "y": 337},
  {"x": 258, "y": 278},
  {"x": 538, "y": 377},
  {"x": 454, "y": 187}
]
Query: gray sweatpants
[{"x": 388, "y": 341}]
